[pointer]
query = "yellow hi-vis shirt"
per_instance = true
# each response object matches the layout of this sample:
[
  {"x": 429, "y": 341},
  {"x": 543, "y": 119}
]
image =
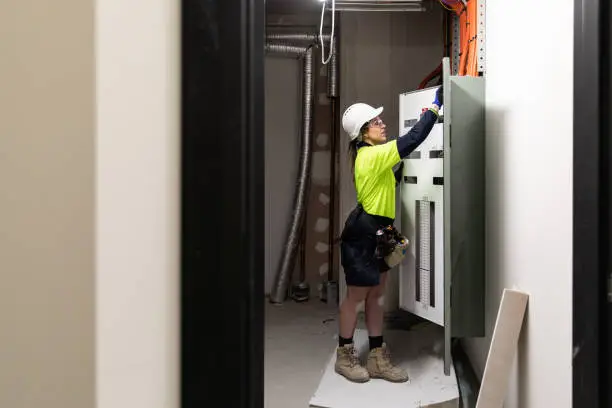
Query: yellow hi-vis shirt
[{"x": 374, "y": 178}]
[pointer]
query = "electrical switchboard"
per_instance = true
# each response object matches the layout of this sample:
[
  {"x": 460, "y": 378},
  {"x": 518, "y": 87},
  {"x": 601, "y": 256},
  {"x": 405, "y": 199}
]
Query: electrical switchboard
[{"x": 442, "y": 210}]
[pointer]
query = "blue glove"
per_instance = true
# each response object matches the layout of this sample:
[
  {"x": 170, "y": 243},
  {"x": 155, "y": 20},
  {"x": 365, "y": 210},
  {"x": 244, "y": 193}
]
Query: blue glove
[{"x": 439, "y": 97}]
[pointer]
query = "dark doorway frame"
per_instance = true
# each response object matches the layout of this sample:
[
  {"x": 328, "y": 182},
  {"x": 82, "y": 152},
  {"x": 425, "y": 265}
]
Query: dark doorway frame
[
  {"x": 592, "y": 206},
  {"x": 222, "y": 209},
  {"x": 222, "y": 204}
]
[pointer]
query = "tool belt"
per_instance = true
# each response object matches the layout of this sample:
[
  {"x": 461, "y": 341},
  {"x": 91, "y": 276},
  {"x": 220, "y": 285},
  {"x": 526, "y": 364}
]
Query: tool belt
[{"x": 391, "y": 245}]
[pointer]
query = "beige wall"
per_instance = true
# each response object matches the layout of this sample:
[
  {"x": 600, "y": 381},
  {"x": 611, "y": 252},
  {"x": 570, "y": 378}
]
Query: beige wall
[
  {"x": 89, "y": 142},
  {"x": 47, "y": 147},
  {"x": 137, "y": 204},
  {"x": 381, "y": 56}
]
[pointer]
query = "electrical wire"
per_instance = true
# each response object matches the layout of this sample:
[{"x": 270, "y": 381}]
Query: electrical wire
[
  {"x": 446, "y": 6},
  {"x": 468, "y": 36},
  {"x": 451, "y": 4},
  {"x": 331, "y": 36},
  {"x": 437, "y": 72},
  {"x": 471, "y": 67}
]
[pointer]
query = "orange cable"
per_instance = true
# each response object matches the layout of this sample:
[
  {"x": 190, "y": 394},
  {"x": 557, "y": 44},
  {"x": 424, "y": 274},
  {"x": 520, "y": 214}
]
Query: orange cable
[
  {"x": 468, "y": 41},
  {"x": 445, "y": 6},
  {"x": 473, "y": 69}
]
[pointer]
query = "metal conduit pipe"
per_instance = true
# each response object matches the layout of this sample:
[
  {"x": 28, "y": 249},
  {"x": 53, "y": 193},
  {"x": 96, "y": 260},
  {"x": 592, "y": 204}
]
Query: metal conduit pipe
[
  {"x": 332, "y": 75},
  {"x": 296, "y": 51},
  {"x": 287, "y": 262},
  {"x": 279, "y": 46},
  {"x": 296, "y": 227},
  {"x": 311, "y": 38},
  {"x": 332, "y": 93}
]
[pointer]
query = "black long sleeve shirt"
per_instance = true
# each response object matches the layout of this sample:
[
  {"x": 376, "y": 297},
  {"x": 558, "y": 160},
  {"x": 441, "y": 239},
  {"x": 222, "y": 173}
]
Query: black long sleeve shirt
[
  {"x": 407, "y": 143},
  {"x": 410, "y": 141}
]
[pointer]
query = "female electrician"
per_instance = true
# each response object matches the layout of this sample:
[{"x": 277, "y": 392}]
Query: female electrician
[{"x": 373, "y": 159}]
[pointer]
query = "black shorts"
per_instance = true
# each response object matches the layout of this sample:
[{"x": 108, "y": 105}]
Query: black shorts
[{"x": 362, "y": 267}]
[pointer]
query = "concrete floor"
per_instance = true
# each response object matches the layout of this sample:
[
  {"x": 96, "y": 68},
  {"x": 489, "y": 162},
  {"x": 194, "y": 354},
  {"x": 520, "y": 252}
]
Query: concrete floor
[
  {"x": 418, "y": 351},
  {"x": 300, "y": 337}
]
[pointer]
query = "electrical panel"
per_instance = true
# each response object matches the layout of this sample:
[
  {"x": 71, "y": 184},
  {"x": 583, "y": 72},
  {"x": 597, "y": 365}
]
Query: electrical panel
[
  {"x": 421, "y": 214},
  {"x": 442, "y": 210}
]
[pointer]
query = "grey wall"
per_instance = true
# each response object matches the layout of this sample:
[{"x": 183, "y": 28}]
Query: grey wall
[
  {"x": 47, "y": 129},
  {"x": 382, "y": 55},
  {"x": 282, "y": 124}
]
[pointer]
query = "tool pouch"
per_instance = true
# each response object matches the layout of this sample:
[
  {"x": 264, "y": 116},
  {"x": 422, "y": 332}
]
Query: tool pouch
[{"x": 391, "y": 245}]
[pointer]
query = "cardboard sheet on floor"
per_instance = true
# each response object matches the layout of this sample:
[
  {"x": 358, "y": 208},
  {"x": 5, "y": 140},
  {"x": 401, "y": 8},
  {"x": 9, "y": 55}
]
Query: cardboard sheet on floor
[{"x": 419, "y": 351}]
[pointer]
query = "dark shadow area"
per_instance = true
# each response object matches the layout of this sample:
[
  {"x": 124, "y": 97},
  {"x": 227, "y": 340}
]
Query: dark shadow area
[
  {"x": 606, "y": 131},
  {"x": 591, "y": 223},
  {"x": 469, "y": 384}
]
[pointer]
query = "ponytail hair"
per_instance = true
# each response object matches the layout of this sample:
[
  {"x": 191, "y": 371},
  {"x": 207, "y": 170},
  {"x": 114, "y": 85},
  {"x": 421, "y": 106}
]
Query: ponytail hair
[
  {"x": 352, "y": 148},
  {"x": 352, "y": 153}
]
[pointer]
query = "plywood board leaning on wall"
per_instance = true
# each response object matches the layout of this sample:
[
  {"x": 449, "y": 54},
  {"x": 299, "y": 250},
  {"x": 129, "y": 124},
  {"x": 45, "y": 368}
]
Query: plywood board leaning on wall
[{"x": 503, "y": 349}]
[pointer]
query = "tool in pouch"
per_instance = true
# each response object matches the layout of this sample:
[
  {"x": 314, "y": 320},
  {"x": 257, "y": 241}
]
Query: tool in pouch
[{"x": 391, "y": 245}]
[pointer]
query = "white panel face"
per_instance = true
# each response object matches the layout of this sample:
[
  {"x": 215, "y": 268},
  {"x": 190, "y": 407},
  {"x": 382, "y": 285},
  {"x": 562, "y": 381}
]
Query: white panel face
[{"x": 422, "y": 271}]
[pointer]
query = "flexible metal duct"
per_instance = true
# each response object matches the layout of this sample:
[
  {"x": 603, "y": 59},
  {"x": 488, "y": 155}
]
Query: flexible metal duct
[
  {"x": 296, "y": 227},
  {"x": 287, "y": 262},
  {"x": 281, "y": 47},
  {"x": 309, "y": 38},
  {"x": 284, "y": 49}
]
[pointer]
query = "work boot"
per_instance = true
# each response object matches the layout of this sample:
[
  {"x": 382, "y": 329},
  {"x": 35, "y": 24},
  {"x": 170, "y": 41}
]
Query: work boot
[
  {"x": 348, "y": 365},
  {"x": 379, "y": 366}
]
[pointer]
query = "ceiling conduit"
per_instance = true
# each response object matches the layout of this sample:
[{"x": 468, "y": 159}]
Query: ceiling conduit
[
  {"x": 309, "y": 38},
  {"x": 295, "y": 51}
]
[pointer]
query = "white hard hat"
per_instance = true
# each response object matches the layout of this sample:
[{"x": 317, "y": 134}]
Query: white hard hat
[{"x": 357, "y": 115}]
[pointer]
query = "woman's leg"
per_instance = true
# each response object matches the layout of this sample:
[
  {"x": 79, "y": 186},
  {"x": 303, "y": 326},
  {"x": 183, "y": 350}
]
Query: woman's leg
[
  {"x": 379, "y": 362},
  {"x": 374, "y": 310},
  {"x": 348, "y": 312},
  {"x": 347, "y": 361}
]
